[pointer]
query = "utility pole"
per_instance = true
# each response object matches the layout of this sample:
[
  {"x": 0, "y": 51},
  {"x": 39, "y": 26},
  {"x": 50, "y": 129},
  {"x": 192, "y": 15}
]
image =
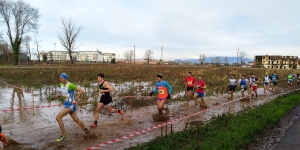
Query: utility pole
[
  {"x": 161, "y": 54},
  {"x": 134, "y": 53},
  {"x": 237, "y": 57}
]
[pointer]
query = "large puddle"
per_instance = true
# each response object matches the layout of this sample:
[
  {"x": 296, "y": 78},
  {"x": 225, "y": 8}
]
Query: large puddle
[{"x": 38, "y": 129}]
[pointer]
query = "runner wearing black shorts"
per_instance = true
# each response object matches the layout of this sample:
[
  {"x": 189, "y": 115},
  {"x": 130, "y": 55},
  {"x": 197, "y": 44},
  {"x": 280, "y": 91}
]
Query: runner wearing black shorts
[
  {"x": 232, "y": 86},
  {"x": 105, "y": 100}
]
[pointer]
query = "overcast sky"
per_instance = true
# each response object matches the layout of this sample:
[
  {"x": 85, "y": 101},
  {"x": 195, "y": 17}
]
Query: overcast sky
[{"x": 183, "y": 27}]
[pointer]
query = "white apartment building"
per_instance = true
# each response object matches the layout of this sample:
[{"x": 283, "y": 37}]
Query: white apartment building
[{"x": 82, "y": 56}]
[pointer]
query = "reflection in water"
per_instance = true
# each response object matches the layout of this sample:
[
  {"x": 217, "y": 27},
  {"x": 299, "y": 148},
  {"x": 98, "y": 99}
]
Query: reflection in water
[{"x": 20, "y": 96}]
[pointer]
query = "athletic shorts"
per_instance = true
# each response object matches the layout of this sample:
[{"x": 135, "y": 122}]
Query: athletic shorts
[
  {"x": 244, "y": 88},
  {"x": 232, "y": 88},
  {"x": 274, "y": 83},
  {"x": 106, "y": 100},
  {"x": 189, "y": 89},
  {"x": 266, "y": 83},
  {"x": 254, "y": 87},
  {"x": 290, "y": 81},
  {"x": 200, "y": 94}
]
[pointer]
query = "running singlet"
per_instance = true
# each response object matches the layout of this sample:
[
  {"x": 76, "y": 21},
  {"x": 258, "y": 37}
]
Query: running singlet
[
  {"x": 232, "y": 82},
  {"x": 68, "y": 94},
  {"x": 243, "y": 83},
  {"x": 274, "y": 78},
  {"x": 101, "y": 87},
  {"x": 290, "y": 77},
  {"x": 199, "y": 85},
  {"x": 163, "y": 88},
  {"x": 190, "y": 81},
  {"x": 266, "y": 79},
  {"x": 253, "y": 81}
]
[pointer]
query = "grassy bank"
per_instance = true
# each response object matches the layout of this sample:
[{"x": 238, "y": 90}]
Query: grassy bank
[{"x": 227, "y": 132}]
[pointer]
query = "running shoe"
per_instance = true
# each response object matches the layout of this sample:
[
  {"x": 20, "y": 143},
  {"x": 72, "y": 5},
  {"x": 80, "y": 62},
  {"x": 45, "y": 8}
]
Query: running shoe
[
  {"x": 93, "y": 125},
  {"x": 87, "y": 131},
  {"x": 61, "y": 138},
  {"x": 121, "y": 112}
]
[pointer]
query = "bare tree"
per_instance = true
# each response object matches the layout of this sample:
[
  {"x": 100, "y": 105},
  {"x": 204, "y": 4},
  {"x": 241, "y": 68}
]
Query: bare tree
[
  {"x": 27, "y": 40},
  {"x": 226, "y": 61},
  {"x": 19, "y": 18},
  {"x": 202, "y": 58},
  {"x": 148, "y": 55},
  {"x": 38, "y": 55},
  {"x": 243, "y": 57},
  {"x": 128, "y": 55},
  {"x": 69, "y": 35}
]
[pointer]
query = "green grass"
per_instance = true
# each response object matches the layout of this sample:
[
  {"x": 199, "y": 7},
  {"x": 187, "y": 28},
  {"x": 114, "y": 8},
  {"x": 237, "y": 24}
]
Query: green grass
[{"x": 227, "y": 132}]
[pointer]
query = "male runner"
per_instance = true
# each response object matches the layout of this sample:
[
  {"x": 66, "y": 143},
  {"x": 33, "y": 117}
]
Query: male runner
[
  {"x": 231, "y": 85},
  {"x": 67, "y": 92},
  {"x": 200, "y": 87},
  {"x": 105, "y": 100},
  {"x": 243, "y": 84},
  {"x": 298, "y": 78},
  {"x": 267, "y": 80},
  {"x": 164, "y": 92},
  {"x": 274, "y": 81},
  {"x": 189, "y": 84},
  {"x": 253, "y": 85},
  {"x": 290, "y": 80}
]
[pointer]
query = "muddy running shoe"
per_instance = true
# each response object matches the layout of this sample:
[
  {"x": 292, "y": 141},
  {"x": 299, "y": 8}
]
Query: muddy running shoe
[
  {"x": 87, "y": 131},
  {"x": 93, "y": 125},
  {"x": 121, "y": 112},
  {"x": 61, "y": 138}
]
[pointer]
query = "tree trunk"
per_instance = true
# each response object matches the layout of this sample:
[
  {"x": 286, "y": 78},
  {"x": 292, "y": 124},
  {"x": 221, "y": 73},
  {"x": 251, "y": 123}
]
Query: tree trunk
[
  {"x": 71, "y": 57},
  {"x": 16, "y": 51}
]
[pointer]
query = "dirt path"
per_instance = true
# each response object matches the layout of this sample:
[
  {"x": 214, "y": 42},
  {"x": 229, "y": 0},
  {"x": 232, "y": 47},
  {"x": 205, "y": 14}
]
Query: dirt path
[{"x": 40, "y": 131}]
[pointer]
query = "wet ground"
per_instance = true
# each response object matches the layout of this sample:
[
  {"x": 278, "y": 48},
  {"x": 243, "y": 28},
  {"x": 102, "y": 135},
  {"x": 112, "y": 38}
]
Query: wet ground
[{"x": 38, "y": 129}]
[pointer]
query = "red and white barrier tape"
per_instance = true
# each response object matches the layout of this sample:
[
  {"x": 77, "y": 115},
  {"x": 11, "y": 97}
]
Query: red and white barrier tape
[
  {"x": 161, "y": 125},
  {"x": 157, "y": 126}
]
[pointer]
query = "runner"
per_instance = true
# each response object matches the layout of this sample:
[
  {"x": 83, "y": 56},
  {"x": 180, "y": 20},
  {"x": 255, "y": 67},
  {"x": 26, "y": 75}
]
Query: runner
[
  {"x": 267, "y": 80},
  {"x": 274, "y": 82},
  {"x": 243, "y": 84},
  {"x": 105, "y": 100},
  {"x": 293, "y": 76},
  {"x": 253, "y": 85},
  {"x": 298, "y": 78},
  {"x": 290, "y": 80},
  {"x": 190, "y": 83},
  {"x": 164, "y": 92},
  {"x": 200, "y": 87},
  {"x": 2, "y": 137},
  {"x": 231, "y": 85},
  {"x": 67, "y": 92}
]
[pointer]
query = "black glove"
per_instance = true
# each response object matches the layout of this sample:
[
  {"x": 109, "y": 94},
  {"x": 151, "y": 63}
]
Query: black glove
[
  {"x": 151, "y": 93},
  {"x": 169, "y": 96}
]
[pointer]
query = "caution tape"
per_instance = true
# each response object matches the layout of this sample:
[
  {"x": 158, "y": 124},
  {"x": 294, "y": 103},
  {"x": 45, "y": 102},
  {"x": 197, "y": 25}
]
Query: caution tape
[{"x": 161, "y": 125}]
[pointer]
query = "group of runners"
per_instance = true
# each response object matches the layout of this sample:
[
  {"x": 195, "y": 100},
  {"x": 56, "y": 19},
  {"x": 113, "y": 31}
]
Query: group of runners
[{"x": 162, "y": 87}]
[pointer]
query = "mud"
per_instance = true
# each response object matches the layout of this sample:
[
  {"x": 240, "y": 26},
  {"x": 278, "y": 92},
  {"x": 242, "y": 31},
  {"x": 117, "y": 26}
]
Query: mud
[{"x": 38, "y": 129}]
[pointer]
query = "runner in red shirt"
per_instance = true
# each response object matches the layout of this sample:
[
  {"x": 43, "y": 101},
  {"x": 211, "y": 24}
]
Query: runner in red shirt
[
  {"x": 189, "y": 84},
  {"x": 200, "y": 87}
]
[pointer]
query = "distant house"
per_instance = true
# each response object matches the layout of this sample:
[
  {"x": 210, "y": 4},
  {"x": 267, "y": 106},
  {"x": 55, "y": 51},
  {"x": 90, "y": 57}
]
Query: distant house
[{"x": 276, "y": 62}]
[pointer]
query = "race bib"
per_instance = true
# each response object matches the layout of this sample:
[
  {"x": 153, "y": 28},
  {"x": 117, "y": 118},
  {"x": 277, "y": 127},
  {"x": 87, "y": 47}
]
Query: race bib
[
  {"x": 231, "y": 83},
  {"x": 190, "y": 82},
  {"x": 161, "y": 92},
  {"x": 299, "y": 77},
  {"x": 242, "y": 86},
  {"x": 65, "y": 97}
]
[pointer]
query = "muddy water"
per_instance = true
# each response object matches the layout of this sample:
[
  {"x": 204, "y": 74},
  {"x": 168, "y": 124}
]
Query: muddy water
[{"x": 39, "y": 129}]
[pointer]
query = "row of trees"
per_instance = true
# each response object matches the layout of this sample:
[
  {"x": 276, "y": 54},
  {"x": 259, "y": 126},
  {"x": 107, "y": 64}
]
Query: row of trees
[
  {"x": 20, "y": 19},
  {"x": 243, "y": 56},
  {"x": 129, "y": 54}
]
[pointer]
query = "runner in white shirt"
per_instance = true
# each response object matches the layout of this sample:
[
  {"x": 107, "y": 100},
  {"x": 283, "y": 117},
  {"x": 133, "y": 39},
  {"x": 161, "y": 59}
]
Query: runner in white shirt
[
  {"x": 231, "y": 85},
  {"x": 267, "y": 80}
]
